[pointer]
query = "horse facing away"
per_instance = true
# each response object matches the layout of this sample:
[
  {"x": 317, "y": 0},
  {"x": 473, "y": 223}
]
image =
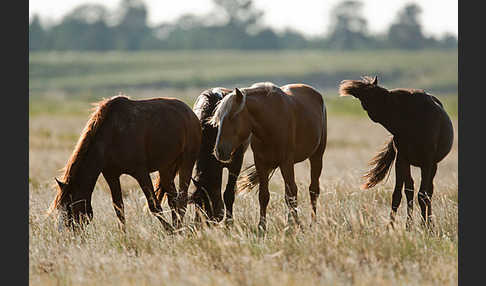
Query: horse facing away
[
  {"x": 209, "y": 170},
  {"x": 133, "y": 137},
  {"x": 287, "y": 125},
  {"x": 422, "y": 136}
]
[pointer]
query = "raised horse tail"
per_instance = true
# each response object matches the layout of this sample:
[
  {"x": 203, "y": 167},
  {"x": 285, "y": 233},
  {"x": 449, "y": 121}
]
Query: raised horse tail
[
  {"x": 249, "y": 179},
  {"x": 382, "y": 163}
]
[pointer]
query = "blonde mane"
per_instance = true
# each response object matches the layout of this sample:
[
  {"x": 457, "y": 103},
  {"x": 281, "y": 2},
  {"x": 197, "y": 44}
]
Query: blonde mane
[
  {"x": 268, "y": 86},
  {"x": 225, "y": 106}
]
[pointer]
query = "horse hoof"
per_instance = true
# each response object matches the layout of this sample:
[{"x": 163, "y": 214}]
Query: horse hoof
[{"x": 229, "y": 222}]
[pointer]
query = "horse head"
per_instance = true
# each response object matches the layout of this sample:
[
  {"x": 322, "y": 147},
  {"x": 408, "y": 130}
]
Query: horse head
[
  {"x": 232, "y": 119},
  {"x": 73, "y": 206},
  {"x": 370, "y": 94}
]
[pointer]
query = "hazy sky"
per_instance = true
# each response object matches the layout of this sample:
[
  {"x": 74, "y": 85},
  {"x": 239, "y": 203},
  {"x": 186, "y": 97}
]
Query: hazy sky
[{"x": 308, "y": 16}]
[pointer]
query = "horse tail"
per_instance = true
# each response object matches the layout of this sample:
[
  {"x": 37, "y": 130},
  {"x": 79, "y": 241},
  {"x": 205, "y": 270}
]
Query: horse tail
[
  {"x": 382, "y": 163},
  {"x": 249, "y": 179}
]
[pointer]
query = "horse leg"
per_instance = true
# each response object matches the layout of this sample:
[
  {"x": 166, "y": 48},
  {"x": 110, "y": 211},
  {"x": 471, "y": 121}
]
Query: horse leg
[
  {"x": 400, "y": 171},
  {"x": 409, "y": 192},
  {"x": 288, "y": 175},
  {"x": 172, "y": 196},
  {"x": 314, "y": 188},
  {"x": 198, "y": 204},
  {"x": 263, "y": 193},
  {"x": 145, "y": 182},
  {"x": 430, "y": 192},
  {"x": 427, "y": 173},
  {"x": 202, "y": 204},
  {"x": 166, "y": 186},
  {"x": 116, "y": 196},
  {"x": 160, "y": 191},
  {"x": 184, "y": 180},
  {"x": 229, "y": 193}
]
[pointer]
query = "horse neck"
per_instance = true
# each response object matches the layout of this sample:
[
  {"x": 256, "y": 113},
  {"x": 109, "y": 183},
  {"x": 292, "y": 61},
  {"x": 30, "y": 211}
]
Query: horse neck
[
  {"x": 86, "y": 174},
  {"x": 209, "y": 171},
  {"x": 387, "y": 116},
  {"x": 260, "y": 125}
]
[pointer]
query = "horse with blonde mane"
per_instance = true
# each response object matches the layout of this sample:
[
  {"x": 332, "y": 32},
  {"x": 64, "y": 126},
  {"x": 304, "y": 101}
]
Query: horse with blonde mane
[
  {"x": 133, "y": 137},
  {"x": 287, "y": 125}
]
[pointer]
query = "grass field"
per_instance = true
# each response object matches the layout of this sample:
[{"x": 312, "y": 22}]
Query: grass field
[
  {"x": 88, "y": 73},
  {"x": 350, "y": 244}
]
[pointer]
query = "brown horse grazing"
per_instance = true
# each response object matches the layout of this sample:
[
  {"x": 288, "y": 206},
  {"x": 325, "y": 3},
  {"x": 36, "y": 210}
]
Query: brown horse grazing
[
  {"x": 209, "y": 170},
  {"x": 133, "y": 137},
  {"x": 422, "y": 136},
  {"x": 287, "y": 125}
]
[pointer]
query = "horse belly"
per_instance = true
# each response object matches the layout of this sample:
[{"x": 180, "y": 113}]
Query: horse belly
[{"x": 164, "y": 148}]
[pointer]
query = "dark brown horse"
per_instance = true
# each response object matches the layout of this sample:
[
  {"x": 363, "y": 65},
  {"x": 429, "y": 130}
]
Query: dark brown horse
[
  {"x": 422, "y": 136},
  {"x": 209, "y": 170},
  {"x": 133, "y": 137},
  {"x": 287, "y": 125}
]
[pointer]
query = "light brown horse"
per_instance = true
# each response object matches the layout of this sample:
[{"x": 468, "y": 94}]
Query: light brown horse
[
  {"x": 287, "y": 125},
  {"x": 133, "y": 137}
]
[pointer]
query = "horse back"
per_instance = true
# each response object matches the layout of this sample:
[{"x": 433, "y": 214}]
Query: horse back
[
  {"x": 151, "y": 131},
  {"x": 307, "y": 98}
]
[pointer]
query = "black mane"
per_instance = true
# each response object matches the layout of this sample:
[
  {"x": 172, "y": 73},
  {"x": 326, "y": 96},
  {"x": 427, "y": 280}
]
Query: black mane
[{"x": 206, "y": 103}]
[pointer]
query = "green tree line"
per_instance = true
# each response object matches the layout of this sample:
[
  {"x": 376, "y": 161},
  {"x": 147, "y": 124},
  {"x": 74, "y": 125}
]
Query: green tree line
[{"x": 237, "y": 24}]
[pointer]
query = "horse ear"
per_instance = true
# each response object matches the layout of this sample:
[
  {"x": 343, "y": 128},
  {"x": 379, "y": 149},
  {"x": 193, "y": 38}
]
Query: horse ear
[
  {"x": 238, "y": 92},
  {"x": 240, "y": 99},
  {"x": 375, "y": 81},
  {"x": 61, "y": 184}
]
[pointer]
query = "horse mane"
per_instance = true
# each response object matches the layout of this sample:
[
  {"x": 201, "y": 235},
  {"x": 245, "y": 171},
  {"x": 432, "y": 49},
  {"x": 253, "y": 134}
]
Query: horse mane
[
  {"x": 101, "y": 110},
  {"x": 207, "y": 100},
  {"x": 225, "y": 106},
  {"x": 269, "y": 87},
  {"x": 355, "y": 87}
]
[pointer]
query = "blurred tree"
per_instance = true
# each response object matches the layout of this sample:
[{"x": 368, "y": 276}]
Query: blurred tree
[
  {"x": 448, "y": 41},
  {"x": 37, "y": 35},
  {"x": 236, "y": 24},
  {"x": 241, "y": 14},
  {"x": 406, "y": 32},
  {"x": 132, "y": 30},
  {"x": 83, "y": 29},
  {"x": 265, "y": 39},
  {"x": 292, "y": 39},
  {"x": 348, "y": 26}
]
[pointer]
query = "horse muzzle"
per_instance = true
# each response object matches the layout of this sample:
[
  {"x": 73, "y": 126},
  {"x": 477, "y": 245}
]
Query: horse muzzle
[{"x": 223, "y": 153}]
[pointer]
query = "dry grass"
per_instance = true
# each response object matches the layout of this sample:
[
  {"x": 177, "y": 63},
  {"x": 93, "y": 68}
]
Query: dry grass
[{"x": 350, "y": 244}]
